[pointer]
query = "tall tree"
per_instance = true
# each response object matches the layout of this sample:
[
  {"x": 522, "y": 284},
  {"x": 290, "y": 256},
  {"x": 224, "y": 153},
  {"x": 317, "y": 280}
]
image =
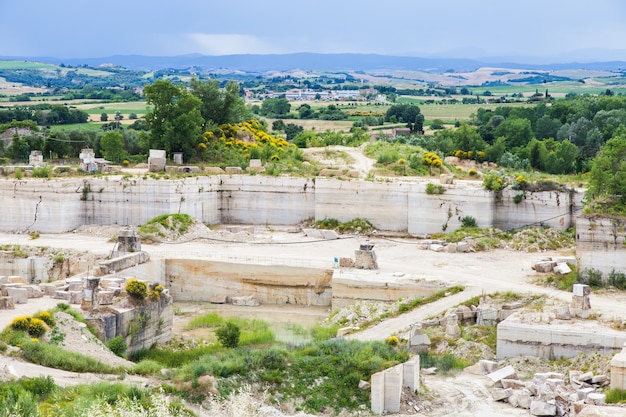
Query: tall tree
[
  {"x": 219, "y": 106},
  {"x": 112, "y": 146},
  {"x": 608, "y": 173},
  {"x": 174, "y": 118}
]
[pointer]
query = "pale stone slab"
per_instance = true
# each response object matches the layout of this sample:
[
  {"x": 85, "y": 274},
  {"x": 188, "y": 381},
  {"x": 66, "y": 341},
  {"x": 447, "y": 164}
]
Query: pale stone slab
[
  {"x": 596, "y": 398},
  {"x": 393, "y": 388},
  {"x": 541, "y": 408},
  {"x": 508, "y": 372},
  {"x": 487, "y": 367},
  {"x": 499, "y": 394},
  {"x": 562, "y": 269},
  {"x": 411, "y": 374},
  {"x": 377, "y": 393},
  {"x": 19, "y": 295}
]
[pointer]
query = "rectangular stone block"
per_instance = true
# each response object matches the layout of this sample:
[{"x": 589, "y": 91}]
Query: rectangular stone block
[
  {"x": 508, "y": 372},
  {"x": 393, "y": 388},
  {"x": 75, "y": 297},
  {"x": 411, "y": 374},
  {"x": 378, "y": 393},
  {"x": 581, "y": 290},
  {"x": 62, "y": 295},
  {"x": 6, "y": 303},
  {"x": 105, "y": 297},
  {"x": 48, "y": 289},
  {"x": 19, "y": 295}
]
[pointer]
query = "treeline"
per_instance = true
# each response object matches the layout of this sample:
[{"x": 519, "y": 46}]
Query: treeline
[
  {"x": 561, "y": 137},
  {"x": 68, "y": 144},
  {"x": 44, "y": 114},
  {"x": 75, "y": 78}
]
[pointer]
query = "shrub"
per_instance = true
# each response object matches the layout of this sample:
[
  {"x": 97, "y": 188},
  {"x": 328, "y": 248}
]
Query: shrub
[
  {"x": 493, "y": 182},
  {"x": 42, "y": 172},
  {"x": 592, "y": 277},
  {"x": 468, "y": 221},
  {"x": 435, "y": 188},
  {"x": 518, "y": 198},
  {"x": 46, "y": 317},
  {"x": 472, "y": 172},
  {"x": 117, "y": 345},
  {"x": 19, "y": 174},
  {"x": 137, "y": 289},
  {"x": 37, "y": 327},
  {"x": 392, "y": 340},
  {"x": 228, "y": 334},
  {"x": 20, "y": 323},
  {"x": 617, "y": 279}
]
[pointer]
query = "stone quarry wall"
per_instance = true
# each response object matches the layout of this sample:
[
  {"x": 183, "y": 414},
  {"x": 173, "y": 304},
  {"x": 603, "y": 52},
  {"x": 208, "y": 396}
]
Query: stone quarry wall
[
  {"x": 550, "y": 208},
  {"x": 601, "y": 244},
  {"x": 202, "y": 280},
  {"x": 60, "y": 205}
]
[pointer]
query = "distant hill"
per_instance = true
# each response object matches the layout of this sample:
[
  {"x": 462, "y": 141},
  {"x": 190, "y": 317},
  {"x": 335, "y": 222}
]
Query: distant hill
[{"x": 311, "y": 61}]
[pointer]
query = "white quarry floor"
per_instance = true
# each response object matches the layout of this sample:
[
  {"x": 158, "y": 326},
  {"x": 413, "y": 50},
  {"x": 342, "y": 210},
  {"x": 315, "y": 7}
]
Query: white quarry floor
[{"x": 482, "y": 272}]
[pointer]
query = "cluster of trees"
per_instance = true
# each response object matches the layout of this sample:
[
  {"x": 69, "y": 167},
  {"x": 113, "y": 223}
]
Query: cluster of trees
[
  {"x": 561, "y": 138},
  {"x": 406, "y": 113},
  {"x": 68, "y": 144},
  {"x": 44, "y": 114},
  {"x": 179, "y": 116}
]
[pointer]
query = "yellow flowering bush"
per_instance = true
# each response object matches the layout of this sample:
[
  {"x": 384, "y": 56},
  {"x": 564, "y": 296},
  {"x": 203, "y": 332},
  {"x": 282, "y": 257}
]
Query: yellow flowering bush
[{"x": 20, "y": 323}]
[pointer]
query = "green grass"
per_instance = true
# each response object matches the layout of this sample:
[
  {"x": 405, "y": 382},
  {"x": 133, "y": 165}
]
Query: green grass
[
  {"x": 15, "y": 64},
  {"x": 616, "y": 395}
]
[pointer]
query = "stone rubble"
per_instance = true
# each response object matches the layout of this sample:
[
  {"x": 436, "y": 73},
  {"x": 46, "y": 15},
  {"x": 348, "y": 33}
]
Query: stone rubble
[{"x": 549, "y": 393}]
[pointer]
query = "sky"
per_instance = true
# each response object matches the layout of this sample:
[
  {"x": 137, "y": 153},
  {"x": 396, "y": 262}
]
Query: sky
[{"x": 544, "y": 30}]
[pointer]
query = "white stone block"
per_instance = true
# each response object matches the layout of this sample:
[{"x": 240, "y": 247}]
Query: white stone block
[
  {"x": 393, "y": 388},
  {"x": 500, "y": 394},
  {"x": 411, "y": 374},
  {"x": 377, "y": 396},
  {"x": 508, "y": 372},
  {"x": 580, "y": 290},
  {"x": 596, "y": 398},
  {"x": 562, "y": 269},
  {"x": 19, "y": 295},
  {"x": 329, "y": 234},
  {"x": 487, "y": 367},
  {"x": 541, "y": 408}
]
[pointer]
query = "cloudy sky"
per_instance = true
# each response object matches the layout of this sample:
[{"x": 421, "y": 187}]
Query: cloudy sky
[{"x": 552, "y": 30}]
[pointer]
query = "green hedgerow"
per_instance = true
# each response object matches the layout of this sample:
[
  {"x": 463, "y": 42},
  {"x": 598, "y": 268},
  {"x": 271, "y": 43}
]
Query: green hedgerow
[{"x": 136, "y": 289}]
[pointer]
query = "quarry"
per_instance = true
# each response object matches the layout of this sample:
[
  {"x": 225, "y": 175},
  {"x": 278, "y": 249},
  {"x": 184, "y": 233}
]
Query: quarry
[{"x": 263, "y": 255}]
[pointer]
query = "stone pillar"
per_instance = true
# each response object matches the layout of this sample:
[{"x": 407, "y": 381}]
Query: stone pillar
[
  {"x": 452, "y": 326},
  {"x": 378, "y": 393},
  {"x": 90, "y": 293},
  {"x": 393, "y": 388},
  {"x": 618, "y": 370},
  {"x": 581, "y": 305},
  {"x": 365, "y": 257},
  {"x": 411, "y": 373},
  {"x": 418, "y": 339}
]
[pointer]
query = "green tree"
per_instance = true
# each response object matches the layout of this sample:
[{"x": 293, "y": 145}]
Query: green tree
[
  {"x": 174, "y": 119},
  {"x": 407, "y": 113},
  {"x": 112, "y": 146},
  {"x": 19, "y": 149},
  {"x": 275, "y": 107},
  {"x": 104, "y": 117},
  {"x": 608, "y": 172},
  {"x": 219, "y": 106},
  {"x": 518, "y": 132}
]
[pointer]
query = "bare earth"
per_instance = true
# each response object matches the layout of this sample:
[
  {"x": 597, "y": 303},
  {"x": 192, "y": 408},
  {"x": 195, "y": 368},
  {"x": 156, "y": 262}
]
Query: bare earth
[{"x": 483, "y": 272}]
